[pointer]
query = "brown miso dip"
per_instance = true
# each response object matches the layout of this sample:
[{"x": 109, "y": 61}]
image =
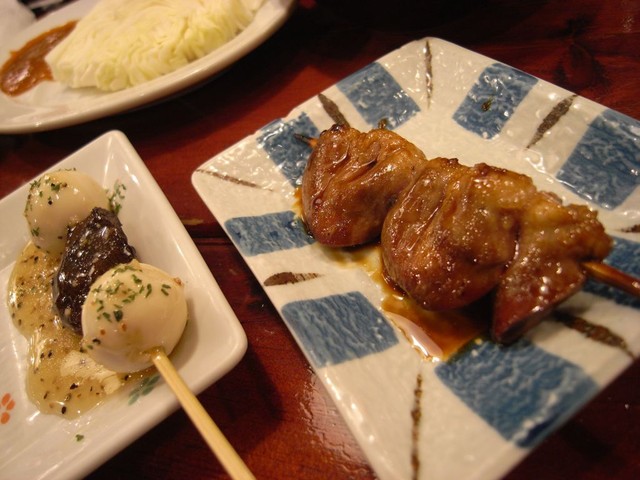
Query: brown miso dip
[{"x": 26, "y": 67}]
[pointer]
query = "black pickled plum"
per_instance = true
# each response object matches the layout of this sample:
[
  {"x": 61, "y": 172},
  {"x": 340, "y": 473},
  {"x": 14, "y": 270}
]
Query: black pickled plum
[{"x": 93, "y": 246}]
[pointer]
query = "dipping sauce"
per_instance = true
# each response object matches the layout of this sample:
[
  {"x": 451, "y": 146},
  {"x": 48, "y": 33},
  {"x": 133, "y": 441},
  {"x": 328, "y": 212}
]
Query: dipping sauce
[
  {"x": 434, "y": 335},
  {"x": 61, "y": 377},
  {"x": 26, "y": 67}
]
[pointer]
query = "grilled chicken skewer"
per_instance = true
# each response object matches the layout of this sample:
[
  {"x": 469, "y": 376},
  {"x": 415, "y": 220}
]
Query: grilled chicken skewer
[{"x": 451, "y": 234}]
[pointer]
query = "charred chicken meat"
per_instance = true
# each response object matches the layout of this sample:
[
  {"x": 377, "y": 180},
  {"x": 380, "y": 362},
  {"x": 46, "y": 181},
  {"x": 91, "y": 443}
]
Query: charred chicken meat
[
  {"x": 450, "y": 234},
  {"x": 352, "y": 179}
]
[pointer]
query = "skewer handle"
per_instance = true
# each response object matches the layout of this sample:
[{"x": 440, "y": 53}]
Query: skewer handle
[
  {"x": 216, "y": 440},
  {"x": 614, "y": 277}
]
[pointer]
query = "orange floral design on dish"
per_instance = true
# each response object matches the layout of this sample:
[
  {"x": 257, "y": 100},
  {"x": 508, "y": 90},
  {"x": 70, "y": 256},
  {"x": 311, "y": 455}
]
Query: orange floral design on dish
[{"x": 7, "y": 405}]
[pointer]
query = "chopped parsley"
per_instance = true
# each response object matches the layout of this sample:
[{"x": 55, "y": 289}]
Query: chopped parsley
[{"x": 117, "y": 196}]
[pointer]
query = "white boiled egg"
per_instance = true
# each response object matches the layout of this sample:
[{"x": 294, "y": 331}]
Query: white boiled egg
[
  {"x": 129, "y": 310},
  {"x": 59, "y": 200}
]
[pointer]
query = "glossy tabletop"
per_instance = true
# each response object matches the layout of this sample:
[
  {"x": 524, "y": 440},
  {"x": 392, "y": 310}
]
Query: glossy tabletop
[{"x": 272, "y": 407}]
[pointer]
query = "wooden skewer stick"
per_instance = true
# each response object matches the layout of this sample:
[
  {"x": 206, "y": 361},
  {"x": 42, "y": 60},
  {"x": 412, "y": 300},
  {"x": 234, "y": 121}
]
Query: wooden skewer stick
[
  {"x": 216, "y": 440},
  {"x": 614, "y": 277},
  {"x": 311, "y": 141}
]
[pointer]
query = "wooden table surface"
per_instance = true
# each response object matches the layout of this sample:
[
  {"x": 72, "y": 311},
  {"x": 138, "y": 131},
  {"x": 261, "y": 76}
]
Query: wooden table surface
[{"x": 272, "y": 407}]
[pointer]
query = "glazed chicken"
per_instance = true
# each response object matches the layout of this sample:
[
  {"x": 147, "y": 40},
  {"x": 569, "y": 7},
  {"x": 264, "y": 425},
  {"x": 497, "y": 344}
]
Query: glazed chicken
[
  {"x": 462, "y": 232},
  {"x": 352, "y": 179},
  {"x": 553, "y": 241},
  {"x": 449, "y": 237},
  {"x": 450, "y": 234}
]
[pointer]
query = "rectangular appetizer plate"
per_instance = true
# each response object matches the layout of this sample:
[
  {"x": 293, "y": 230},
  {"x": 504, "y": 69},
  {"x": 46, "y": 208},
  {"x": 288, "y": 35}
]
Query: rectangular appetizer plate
[
  {"x": 484, "y": 409},
  {"x": 38, "y": 446}
]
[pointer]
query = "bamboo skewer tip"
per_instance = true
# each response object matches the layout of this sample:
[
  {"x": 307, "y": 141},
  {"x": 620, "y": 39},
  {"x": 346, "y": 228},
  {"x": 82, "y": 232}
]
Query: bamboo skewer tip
[
  {"x": 216, "y": 440},
  {"x": 612, "y": 276}
]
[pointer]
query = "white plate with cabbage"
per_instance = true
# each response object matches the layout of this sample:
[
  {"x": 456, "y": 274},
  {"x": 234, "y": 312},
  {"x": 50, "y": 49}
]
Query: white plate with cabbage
[{"x": 51, "y": 104}]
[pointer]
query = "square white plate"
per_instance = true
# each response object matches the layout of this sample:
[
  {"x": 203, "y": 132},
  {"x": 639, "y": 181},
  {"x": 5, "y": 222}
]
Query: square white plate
[
  {"x": 486, "y": 408},
  {"x": 38, "y": 446}
]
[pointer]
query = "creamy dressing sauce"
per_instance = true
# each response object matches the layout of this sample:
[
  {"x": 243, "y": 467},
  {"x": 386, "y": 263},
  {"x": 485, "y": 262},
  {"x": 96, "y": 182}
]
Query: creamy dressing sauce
[{"x": 61, "y": 378}]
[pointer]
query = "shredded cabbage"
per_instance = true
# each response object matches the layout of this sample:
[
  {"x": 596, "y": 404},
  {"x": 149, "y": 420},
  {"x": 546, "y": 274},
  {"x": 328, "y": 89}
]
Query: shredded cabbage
[{"x": 122, "y": 43}]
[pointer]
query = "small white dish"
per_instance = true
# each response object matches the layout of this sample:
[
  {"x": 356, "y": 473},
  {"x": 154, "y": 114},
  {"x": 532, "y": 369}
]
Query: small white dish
[
  {"x": 51, "y": 105},
  {"x": 485, "y": 409},
  {"x": 39, "y": 446}
]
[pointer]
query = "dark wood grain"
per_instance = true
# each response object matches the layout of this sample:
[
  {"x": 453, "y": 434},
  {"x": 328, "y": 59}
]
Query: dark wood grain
[{"x": 271, "y": 406}]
